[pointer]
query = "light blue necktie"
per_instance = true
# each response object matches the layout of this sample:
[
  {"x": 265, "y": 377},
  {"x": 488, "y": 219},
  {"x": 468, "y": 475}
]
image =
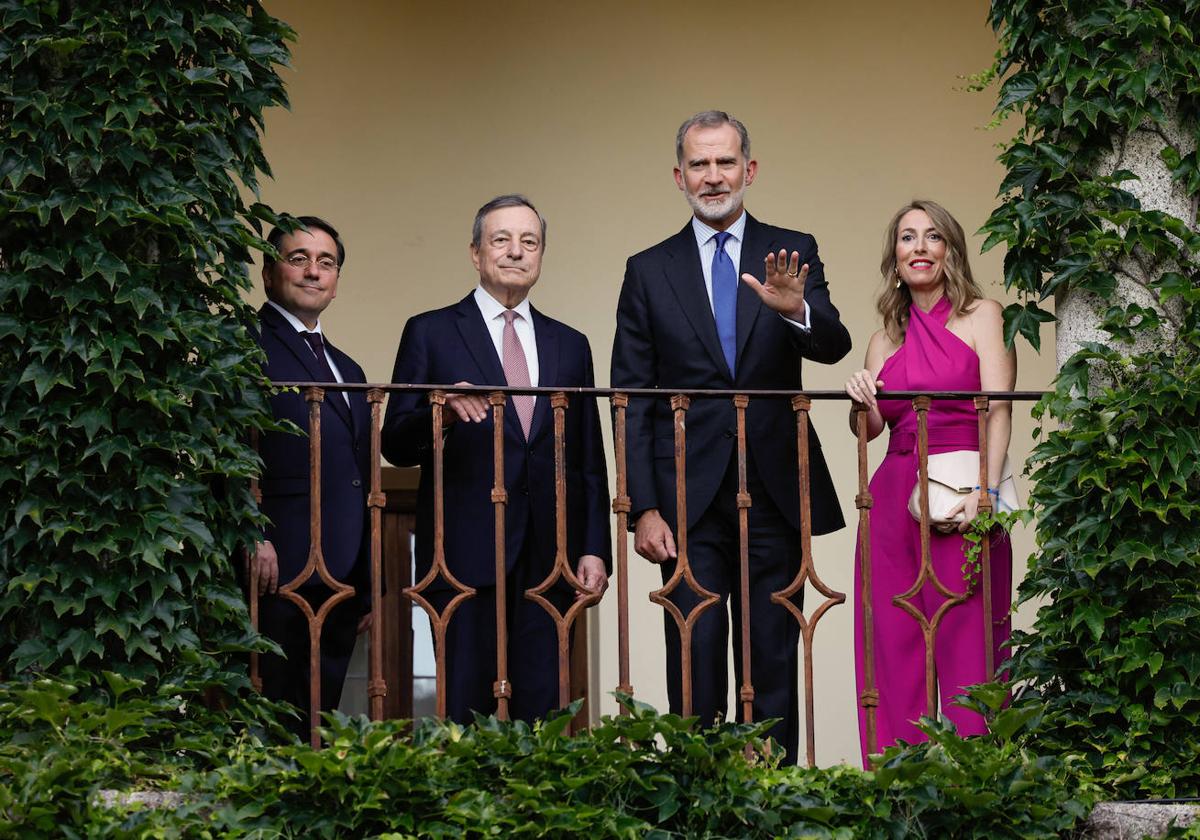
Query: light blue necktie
[{"x": 724, "y": 295}]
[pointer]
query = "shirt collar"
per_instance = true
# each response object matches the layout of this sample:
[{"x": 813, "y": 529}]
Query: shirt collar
[
  {"x": 296, "y": 323},
  {"x": 704, "y": 233},
  {"x": 492, "y": 308}
]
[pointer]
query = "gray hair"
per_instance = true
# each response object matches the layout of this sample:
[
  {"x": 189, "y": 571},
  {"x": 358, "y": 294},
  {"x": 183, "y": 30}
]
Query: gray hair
[
  {"x": 510, "y": 200},
  {"x": 711, "y": 119}
]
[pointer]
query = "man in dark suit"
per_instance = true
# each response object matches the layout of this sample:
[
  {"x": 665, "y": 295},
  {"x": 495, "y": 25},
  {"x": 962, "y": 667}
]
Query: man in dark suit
[
  {"x": 685, "y": 322},
  {"x": 300, "y": 285},
  {"x": 494, "y": 337}
]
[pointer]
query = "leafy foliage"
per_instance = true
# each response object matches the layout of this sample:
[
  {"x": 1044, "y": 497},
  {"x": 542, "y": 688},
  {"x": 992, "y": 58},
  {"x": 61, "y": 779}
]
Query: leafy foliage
[
  {"x": 643, "y": 775},
  {"x": 130, "y": 381},
  {"x": 1115, "y": 655}
]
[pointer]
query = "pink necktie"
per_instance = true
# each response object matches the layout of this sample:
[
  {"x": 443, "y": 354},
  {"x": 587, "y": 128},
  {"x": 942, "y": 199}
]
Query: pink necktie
[{"x": 516, "y": 370}]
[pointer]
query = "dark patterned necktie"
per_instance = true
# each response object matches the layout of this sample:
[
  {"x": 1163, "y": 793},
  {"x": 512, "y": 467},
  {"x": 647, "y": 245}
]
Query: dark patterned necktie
[{"x": 318, "y": 348}]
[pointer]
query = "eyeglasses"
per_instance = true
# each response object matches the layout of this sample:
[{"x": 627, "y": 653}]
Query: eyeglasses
[{"x": 302, "y": 261}]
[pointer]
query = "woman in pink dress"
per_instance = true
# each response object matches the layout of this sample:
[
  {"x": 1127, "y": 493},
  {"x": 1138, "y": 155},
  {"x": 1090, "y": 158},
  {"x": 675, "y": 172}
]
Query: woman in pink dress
[{"x": 939, "y": 334}]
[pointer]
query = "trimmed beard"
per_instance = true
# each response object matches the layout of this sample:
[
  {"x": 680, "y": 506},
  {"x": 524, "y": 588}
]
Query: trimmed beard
[{"x": 709, "y": 213}]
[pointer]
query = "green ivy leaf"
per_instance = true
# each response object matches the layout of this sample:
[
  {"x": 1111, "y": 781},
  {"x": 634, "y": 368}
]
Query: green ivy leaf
[{"x": 1025, "y": 320}]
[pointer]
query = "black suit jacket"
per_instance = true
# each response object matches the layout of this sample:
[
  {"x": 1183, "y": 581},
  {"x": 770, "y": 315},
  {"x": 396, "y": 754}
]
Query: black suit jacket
[
  {"x": 453, "y": 345},
  {"x": 667, "y": 338},
  {"x": 345, "y": 462}
]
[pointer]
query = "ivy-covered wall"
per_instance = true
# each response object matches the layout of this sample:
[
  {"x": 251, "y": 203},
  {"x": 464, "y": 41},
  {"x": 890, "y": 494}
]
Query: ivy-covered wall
[
  {"x": 129, "y": 383},
  {"x": 1099, "y": 211}
]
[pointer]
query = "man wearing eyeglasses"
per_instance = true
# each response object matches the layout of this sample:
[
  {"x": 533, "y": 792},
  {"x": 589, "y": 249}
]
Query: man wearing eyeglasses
[{"x": 300, "y": 285}]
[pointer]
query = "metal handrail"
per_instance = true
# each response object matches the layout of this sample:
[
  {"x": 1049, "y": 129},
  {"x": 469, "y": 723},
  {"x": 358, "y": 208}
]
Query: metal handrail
[{"x": 680, "y": 400}]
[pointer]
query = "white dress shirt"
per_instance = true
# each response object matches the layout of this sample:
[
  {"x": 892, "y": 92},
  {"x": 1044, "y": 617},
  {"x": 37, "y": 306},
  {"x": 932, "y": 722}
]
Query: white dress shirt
[
  {"x": 300, "y": 327},
  {"x": 707, "y": 243},
  {"x": 493, "y": 315}
]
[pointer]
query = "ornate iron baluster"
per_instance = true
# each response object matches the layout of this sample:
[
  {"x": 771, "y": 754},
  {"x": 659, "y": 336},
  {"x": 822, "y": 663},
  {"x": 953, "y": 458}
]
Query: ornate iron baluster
[
  {"x": 502, "y": 688},
  {"x": 869, "y": 699},
  {"x": 316, "y": 562},
  {"x": 621, "y": 506},
  {"x": 808, "y": 572},
  {"x": 376, "y": 684},
  {"x": 683, "y": 572},
  {"x": 927, "y": 573},
  {"x": 439, "y": 622}
]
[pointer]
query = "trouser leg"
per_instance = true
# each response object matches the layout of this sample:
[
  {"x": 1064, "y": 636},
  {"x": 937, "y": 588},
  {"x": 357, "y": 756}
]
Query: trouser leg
[{"x": 289, "y": 679}]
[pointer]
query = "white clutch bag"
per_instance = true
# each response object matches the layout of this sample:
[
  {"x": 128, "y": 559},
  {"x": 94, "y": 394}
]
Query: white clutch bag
[{"x": 952, "y": 477}]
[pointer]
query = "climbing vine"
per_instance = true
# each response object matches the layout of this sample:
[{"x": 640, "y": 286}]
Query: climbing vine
[
  {"x": 1098, "y": 209},
  {"x": 129, "y": 382}
]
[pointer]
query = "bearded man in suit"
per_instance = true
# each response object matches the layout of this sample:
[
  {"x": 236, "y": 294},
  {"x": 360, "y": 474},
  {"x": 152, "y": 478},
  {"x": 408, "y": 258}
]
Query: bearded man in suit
[
  {"x": 684, "y": 322},
  {"x": 494, "y": 336},
  {"x": 300, "y": 285}
]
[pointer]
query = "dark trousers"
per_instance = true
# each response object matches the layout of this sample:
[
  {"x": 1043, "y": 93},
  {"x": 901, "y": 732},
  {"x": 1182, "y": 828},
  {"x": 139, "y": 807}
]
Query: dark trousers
[
  {"x": 532, "y": 648},
  {"x": 288, "y": 679},
  {"x": 713, "y": 554}
]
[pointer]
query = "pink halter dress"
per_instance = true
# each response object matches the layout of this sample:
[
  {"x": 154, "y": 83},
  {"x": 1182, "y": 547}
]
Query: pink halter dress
[{"x": 931, "y": 359}]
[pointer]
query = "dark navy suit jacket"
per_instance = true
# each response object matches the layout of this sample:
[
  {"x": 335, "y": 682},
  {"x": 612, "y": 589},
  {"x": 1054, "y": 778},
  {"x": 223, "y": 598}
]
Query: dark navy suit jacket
[
  {"x": 345, "y": 462},
  {"x": 666, "y": 338},
  {"x": 453, "y": 345}
]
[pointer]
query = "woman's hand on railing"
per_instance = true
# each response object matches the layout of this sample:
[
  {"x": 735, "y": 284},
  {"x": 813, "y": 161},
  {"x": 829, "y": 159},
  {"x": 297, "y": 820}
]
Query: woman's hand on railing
[
  {"x": 591, "y": 574},
  {"x": 652, "y": 537},
  {"x": 470, "y": 408},
  {"x": 862, "y": 387}
]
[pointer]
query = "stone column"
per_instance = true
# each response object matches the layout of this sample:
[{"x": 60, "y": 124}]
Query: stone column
[{"x": 1079, "y": 313}]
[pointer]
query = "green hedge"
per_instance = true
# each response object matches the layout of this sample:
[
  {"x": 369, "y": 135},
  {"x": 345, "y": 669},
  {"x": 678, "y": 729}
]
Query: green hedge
[{"x": 635, "y": 776}]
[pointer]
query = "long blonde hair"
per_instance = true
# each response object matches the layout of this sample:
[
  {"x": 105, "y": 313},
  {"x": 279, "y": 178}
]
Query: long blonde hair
[{"x": 960, "y": 285}]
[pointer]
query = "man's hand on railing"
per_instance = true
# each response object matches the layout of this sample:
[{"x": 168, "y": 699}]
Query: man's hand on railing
[
  {"x": 266, "y": 566},
  {"x": 364, "y": 624},
  {"x": 652, "y": 537},
  {"x": 470, "y": 408},
  {"x": 591, "y": 574}
]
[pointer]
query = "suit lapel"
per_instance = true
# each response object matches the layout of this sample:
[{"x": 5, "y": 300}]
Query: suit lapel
[
  {"x": 478, "y": 341},
  {"x": 299, "y": 348},
  {"x": 686, "y": 278},
  {"x": 357, "y": 408},
  {"x": 546, "y": 337},
  {"x": 755, "y": 247}
]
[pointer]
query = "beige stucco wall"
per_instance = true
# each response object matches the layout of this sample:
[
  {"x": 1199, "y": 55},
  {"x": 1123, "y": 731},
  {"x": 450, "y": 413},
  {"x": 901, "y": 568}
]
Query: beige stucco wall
[{"x": 407, "y": 116}]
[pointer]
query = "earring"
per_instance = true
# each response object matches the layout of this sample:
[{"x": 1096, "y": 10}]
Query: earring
[{"x": 899, "y": 282}]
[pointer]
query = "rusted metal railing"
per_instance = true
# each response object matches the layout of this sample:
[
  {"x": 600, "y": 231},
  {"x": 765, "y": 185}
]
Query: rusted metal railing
[{"x": 682, "y": 577}]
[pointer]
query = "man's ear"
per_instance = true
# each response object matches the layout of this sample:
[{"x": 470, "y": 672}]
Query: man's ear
[
  {"x": 751, "y": 171},
  {"x": 474, "y": 250},
  {"x": 679, "y": 179}
]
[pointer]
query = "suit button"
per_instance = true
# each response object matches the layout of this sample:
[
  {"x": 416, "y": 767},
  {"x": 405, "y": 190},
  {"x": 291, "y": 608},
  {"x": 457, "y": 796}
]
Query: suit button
[{"x": 356, "y": 483}]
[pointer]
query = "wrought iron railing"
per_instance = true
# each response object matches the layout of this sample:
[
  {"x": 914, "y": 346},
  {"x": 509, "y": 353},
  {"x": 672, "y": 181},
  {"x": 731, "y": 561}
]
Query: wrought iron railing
[{"x": 560, "y": 400}]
